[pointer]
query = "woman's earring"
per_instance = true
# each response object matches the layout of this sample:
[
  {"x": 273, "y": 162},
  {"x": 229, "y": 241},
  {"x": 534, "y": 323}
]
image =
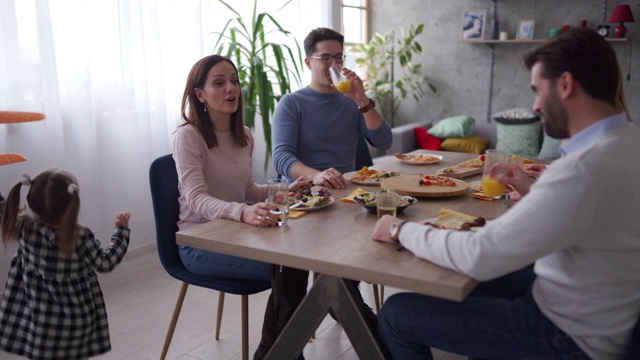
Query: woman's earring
[{"x": 205, "y": 106}]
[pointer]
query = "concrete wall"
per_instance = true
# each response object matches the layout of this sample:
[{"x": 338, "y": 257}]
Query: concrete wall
[{"x": 461, "y": 71}]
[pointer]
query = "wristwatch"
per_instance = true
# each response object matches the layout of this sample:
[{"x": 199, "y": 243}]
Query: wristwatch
[
  {"x": 368, "y": 107},
  {"x": 394, "y": 231}
]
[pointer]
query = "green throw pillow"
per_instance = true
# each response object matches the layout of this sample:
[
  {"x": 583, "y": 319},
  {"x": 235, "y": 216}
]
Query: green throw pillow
[
  {"x": 550, "y": 147},
  {"x": 453, "y": 127}
]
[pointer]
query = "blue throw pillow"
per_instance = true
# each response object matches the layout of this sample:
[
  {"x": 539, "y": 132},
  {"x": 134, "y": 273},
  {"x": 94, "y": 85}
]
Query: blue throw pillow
[{"x": 453, "y": 127}]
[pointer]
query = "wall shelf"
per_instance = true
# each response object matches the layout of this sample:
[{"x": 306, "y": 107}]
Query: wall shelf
[{"x": 525, "y": 41}]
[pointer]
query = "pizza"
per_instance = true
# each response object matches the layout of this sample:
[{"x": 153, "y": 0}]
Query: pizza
[
  {"x": 433, "y": 180},
  {"x": 417, "y": 158},
  {"x": 474, "y": 163},
  {"x": 370, "y": 175},
  {"x": 454, "y": 220}
]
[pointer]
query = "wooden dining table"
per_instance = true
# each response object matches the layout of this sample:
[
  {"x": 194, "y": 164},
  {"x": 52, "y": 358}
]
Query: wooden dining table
[{"x": 335, "y": 242}]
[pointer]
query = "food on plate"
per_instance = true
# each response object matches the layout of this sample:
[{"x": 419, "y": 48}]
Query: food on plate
[
  {"x": 432, "y": 180},
  {"x": 369, "y": 199},
  {"x": 482, "y": 196},
  {"x": 448, "y": 170},
  {"x": 521, "y": 160},
  {"x": 304, "y": 198},
  {"x": 417, "y": 158},
  {"x": 370, "y": 175},
  {"x": 474, "y": 163},
  {"x": 454, "y": 220}
]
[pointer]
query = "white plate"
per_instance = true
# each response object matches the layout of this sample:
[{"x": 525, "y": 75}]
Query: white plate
[
  {"x": 414, "y": 162},
  {"x": 359, "y": 182},
  {"x": 476, "y": 186},
  {"x": 331, "y": 201}
]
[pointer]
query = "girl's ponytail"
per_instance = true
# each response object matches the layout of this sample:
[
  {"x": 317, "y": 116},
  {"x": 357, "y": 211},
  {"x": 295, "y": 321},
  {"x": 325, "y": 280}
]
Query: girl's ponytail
[
  {"x": 9, "y": 218},
  {"x": 68, "y": 226}
]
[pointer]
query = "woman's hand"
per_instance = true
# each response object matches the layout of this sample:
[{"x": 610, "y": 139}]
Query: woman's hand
[
  {"x": 259, "y": 215},
  {"x": 122, "y": 219},
  {"x": 300, "y": 183}
]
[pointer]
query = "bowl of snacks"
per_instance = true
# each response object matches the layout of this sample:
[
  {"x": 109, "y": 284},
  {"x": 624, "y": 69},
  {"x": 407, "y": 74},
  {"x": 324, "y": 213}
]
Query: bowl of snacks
[{"x": 368, "y": 201}]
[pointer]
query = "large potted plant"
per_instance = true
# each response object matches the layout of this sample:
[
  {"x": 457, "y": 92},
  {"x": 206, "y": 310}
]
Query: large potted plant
[
  {"x": 378, "y": 60},
  {"x": 262, "y": 63}
]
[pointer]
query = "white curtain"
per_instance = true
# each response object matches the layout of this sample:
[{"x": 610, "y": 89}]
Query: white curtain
[{"x": 109, "y": 75}]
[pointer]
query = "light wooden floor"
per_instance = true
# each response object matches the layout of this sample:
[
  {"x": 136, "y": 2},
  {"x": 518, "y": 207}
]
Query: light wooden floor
[{"x": 140, "y": 298}]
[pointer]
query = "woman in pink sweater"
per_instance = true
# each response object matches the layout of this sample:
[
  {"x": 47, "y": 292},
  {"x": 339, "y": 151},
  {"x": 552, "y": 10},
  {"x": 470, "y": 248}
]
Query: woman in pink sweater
[{"x": 212, "y": 150}]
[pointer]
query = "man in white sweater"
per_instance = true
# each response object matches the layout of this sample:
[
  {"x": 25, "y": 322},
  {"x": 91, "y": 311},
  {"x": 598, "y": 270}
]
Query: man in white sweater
[{"x": 578, "y": 223}]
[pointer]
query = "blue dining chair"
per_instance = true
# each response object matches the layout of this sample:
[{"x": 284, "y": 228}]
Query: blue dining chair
[
  {"x": 633, "y": 349},
  {"x": 163, "y": 181}
]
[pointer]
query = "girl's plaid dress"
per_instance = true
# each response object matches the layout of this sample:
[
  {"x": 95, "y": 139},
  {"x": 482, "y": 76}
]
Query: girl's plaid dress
[{"x": 52, "y": 306}]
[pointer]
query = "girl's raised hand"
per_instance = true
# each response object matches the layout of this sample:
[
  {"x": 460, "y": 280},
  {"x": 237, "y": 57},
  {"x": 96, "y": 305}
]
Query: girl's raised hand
[{"x": 122, "y": 219}]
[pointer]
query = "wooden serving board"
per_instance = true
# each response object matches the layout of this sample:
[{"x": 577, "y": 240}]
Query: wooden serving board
[
  {"x": 408, "y": 185},
  {"x": 459, "y": 172}
]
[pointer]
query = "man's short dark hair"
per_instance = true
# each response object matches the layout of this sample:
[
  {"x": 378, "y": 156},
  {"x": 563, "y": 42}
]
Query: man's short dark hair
[
  {"x": 586, "y": 55},
  {"x": 320, "y": 34}
]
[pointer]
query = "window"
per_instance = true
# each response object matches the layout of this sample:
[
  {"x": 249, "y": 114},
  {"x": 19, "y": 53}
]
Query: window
[{"x": 354, "y": 22}]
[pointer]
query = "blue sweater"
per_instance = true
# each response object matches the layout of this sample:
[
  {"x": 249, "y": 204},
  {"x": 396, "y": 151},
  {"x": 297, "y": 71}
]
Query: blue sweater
[{"x": 321, "y": 131}]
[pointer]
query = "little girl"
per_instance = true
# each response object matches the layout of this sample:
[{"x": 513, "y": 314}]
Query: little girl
[{"x": 52, "y": 306}]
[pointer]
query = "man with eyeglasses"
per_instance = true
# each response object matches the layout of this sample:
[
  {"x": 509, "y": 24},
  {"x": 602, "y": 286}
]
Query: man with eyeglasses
[
  {"x": 316, "y": 129},
  {"x": 315, "y": 134}
]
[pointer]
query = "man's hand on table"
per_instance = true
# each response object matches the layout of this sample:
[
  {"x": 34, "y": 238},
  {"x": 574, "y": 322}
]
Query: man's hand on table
[
  {"x": 331, "y": 178},
  {"x": 381, "y": 230},
  {"x": 517, "y": 179}
]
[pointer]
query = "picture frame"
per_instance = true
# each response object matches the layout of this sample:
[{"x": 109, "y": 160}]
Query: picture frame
[
  {"x": 525, "y": 29},
  {"x": 473, "y": 24}
]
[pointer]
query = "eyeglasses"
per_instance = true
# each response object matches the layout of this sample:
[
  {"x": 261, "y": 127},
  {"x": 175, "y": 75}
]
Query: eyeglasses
[{"x": 327, "y": 59}]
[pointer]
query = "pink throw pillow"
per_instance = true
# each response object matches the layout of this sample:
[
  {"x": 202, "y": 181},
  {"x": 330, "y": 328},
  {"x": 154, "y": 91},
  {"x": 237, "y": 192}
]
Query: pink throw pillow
[{"x": 425, "y": 140}]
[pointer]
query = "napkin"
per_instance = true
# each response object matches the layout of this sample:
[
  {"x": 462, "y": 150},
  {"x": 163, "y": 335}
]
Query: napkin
[
  {"x": 349, "y": 198},
  {"x": 295, "y": 214}
]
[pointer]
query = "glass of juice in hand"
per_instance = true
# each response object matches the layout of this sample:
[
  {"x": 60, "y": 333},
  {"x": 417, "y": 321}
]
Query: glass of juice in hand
[
  {"x": 279, "y": 196},
  {"x": 339, "y": 80},
  {"x": 495, "y": 166},
  {"x": 386, "y": 203}
]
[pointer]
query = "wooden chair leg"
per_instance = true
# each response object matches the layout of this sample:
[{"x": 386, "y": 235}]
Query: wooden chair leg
[
  {"x": 376, "y": 297},
  {"x": 219, "y": 318},
  {"x": 174, "y": 320},
  {"x": 245, "y": 327},
  {"x": 314, "y": 277}
]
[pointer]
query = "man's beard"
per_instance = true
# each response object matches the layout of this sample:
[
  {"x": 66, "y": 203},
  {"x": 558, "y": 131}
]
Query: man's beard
[{"x": 555, "y": 124}]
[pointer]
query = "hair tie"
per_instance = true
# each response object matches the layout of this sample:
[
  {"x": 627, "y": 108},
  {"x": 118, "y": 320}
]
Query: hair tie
[
  {"x": 73, "y": 188},
  {"x": 26, "y": 180}
]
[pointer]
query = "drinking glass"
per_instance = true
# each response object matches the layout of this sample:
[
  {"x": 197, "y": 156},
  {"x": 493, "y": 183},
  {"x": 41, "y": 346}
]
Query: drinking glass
[
  {"x": 279, "y": 196},
  {"x": 339, "y": 80},
  {"x": 386, "y": 203},
  {"x": 495, "y": 166}
]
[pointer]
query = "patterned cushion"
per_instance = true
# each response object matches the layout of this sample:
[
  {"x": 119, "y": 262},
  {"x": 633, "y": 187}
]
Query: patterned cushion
[
  {"x": 521, "y": 139},
  {"x": 473, "y": 144},
  {"x": 549, "y": 149}
]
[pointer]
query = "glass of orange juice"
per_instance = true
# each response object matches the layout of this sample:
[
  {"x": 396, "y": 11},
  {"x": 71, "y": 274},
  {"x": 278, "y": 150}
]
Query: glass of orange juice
[
  {"x": 495, "y": 166},
  {"x": 339, "y": 80}
]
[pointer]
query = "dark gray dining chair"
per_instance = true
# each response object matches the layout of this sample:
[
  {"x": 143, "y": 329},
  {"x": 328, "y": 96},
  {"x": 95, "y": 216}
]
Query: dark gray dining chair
[{"x": 163, "y": 180}]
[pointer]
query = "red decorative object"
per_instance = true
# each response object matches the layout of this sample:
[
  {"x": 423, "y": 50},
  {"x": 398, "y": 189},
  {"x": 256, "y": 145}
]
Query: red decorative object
[
  {"x": 426, "y": 141},
  {"x": 621, "y": 14}
]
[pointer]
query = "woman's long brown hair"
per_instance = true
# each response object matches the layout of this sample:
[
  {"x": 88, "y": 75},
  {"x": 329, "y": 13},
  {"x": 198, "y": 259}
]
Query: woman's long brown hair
[{"x": 193, "y": 111}]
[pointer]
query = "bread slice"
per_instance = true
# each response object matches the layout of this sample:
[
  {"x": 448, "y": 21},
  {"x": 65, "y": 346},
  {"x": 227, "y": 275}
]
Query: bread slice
[{"x": 474, "y": 163}]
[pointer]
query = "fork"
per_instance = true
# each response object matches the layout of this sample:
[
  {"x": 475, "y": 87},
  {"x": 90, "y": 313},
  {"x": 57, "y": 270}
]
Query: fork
[{"x": 507, "y": 197}]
